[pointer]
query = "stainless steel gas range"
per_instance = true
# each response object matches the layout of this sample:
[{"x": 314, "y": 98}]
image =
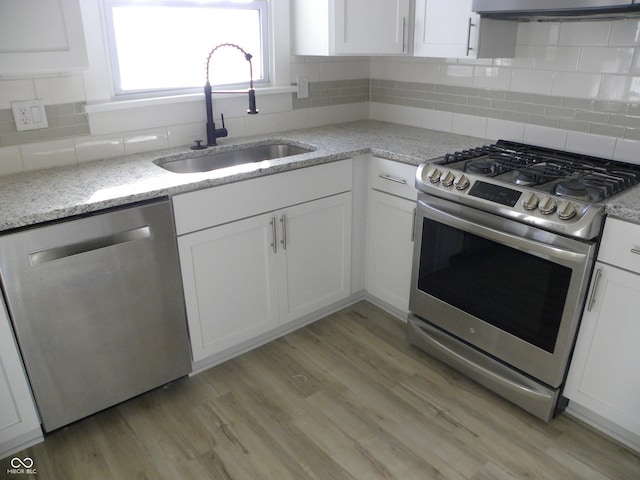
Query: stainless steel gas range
[{"x": 506, "y": 239}]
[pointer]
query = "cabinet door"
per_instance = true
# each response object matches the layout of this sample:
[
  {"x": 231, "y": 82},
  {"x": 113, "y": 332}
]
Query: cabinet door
[
  {"x": 229, "y": 284},
  {"x": 390, "y": 249},
  {"x": 41, "y": 36},
  {"x": 603, "y": 376},
  {"x": 371, "y": 27},
  {"x": 19, "y": 424},
  {"x": 450, "y": 29},
  {"x": 315, "y": 268}
]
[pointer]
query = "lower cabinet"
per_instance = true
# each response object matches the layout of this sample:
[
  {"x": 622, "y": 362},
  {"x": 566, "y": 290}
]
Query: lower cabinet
[
  {"x": 247, "y": 277},
  {"x": 392, "y": 204},
  {"x": 603, "y": 384},
  {"x": 390, "y": 249},
  {"x": 19, "y": 422}
]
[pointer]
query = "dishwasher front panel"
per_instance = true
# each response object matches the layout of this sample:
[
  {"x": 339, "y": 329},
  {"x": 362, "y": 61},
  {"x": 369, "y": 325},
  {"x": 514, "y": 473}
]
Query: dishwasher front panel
[{"x": 97, "y": 307}]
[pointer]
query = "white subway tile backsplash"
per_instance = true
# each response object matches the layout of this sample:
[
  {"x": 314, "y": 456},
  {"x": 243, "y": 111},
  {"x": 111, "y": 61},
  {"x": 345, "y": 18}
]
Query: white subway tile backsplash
[
  {"x": 145, "y": 141},
  {"x": 491, "y": 77},
  {"x": 459, "y": 75},
  {"x": 578, "y": 85},
  {"x": 469, "y": 125},
  {"x": 503, "y": 129},
  {"x": 10, "y": 160},
  {"x": 625, "y": 32},
  {"x": 99, "y": 147},
  {"x": 532, "y": 81},
  {"x": 62, "y": 89},
  {"x": 538, "y": 33},
  {"x": 606, "y": 60},
  {"x": 12, "y": 90},
  {"x": 557, "y": 58},
  {"x": 437, "y": 120},
  {"x": 622, "y": 88},
  {"x": 56, "y": 153},
  {"x": 627, "y": 150},
  {"x": 545, "y": 136},
  {"x": 585, "y": 33},
  {"x": 186, "y": 134},
  {"x": 589, "y": 144}
]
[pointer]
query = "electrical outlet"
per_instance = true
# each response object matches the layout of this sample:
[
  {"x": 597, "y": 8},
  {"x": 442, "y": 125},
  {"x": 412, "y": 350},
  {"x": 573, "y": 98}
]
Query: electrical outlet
[
  {"x": 303, "y": 87},
  {"x": 29, "y": 115}
]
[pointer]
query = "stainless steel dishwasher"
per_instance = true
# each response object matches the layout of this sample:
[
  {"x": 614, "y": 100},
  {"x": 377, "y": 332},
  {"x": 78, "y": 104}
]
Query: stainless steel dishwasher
[{"x": 97, "y": 306}]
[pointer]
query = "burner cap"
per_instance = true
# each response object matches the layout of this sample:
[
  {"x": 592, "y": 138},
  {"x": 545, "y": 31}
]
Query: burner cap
[
  {"x": 525, "y": 178},
  {"x": 482, "y": 167},
  {"x": 572, "y": 188}
]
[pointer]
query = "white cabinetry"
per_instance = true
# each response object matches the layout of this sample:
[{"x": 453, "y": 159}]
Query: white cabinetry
[
  {"x": 603, "y": 383},
  {"x": 19, "y": 423},
  {"x": 259, "y": 254},
  {"x": 392, "y": 203},
  {"x": 350, "y": 27},
  {"x": 450, "y": 29},
  {"x": 39, "y": 36}
]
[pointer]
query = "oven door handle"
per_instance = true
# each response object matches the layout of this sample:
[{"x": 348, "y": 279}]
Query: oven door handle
[{"x": 505, "y": 231}]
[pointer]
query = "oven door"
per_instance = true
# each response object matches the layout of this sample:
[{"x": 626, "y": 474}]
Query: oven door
[{"x": 511, "y": 290}]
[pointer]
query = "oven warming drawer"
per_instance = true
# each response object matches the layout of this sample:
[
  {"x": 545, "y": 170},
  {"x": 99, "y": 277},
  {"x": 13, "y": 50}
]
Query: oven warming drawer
[{"x": 534, "y": 397}]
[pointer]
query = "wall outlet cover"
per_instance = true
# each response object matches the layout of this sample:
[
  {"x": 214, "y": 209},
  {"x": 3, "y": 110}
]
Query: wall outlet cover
[
  {"x": 303, "y": 87},
  {"x": 29, "y": 115}
]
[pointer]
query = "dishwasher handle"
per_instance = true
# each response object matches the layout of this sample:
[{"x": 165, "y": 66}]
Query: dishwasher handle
[{"x": 63, "y": 251}]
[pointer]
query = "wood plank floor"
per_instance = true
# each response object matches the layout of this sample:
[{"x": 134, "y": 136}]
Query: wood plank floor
[{"x": 344, "y": 398}]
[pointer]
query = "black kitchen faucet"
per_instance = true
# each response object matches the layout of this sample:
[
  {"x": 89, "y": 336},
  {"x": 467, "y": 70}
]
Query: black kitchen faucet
[{"x": 212, "y": 132}]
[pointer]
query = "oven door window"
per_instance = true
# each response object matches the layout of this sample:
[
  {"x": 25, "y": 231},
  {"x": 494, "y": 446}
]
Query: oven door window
[{"x": 515, "y": 291}]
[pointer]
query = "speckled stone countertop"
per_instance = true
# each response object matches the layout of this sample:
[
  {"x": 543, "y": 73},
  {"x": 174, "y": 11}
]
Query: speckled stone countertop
[{"x": 44, "y": 195}]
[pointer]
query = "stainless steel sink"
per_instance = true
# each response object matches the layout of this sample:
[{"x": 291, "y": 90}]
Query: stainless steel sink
[{"x": 231, "y": 158}]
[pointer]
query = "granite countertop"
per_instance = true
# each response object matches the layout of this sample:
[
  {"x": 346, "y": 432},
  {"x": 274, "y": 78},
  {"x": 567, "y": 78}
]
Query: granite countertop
[{"x": 44, "y": 195}]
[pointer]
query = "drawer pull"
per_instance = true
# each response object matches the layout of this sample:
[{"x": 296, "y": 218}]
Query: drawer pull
[
  {"x": 635, "y": 250},
  {"x": 393, "y": 179}
]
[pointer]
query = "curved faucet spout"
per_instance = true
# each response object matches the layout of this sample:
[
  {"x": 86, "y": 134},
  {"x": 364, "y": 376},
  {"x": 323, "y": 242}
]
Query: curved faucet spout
[{"x": 212, "y": 132}]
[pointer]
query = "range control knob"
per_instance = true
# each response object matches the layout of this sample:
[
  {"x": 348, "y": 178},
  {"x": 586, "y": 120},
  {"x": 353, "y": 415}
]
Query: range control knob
[
  {"x": 566, "y": 210},
  {"x": 447, "y": 179},
  {"x": 461, "y": 182},
  {"x": 530, "y": 201},
  {"x": 547, "y": 206},
  {"x": 434, "y": 175}
]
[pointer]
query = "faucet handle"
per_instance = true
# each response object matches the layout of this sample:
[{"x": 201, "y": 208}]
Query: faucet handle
[{"x": 222, "y": 118}]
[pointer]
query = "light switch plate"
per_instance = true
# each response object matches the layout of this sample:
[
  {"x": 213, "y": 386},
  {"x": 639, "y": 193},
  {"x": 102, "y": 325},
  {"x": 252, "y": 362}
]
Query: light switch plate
[{"x": 29, "y": 115}]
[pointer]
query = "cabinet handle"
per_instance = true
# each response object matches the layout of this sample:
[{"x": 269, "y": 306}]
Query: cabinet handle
[
  {"x": 404, "y": 31},
  {"x": 471, "y": 24},
  {"x": 283, "y": 220},
  {"x": 592, "y": 298},
  {"x": 636, "y": 251},
  {"x": 413, "y": 225},
  {"x": 392, "y": 179},
  {"x": 274, "y": 235}
]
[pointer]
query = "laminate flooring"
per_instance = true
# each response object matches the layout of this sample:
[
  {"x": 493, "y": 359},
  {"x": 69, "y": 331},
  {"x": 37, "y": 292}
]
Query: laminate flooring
[{"x": 343, "y": 398}]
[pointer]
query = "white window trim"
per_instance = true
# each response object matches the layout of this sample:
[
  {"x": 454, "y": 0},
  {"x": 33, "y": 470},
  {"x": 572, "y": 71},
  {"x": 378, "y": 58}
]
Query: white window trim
[{"x": 98, "y": 81}]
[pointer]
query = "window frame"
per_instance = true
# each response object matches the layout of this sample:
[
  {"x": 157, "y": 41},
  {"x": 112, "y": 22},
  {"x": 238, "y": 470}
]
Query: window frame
[{"x": 262, "y": 6}]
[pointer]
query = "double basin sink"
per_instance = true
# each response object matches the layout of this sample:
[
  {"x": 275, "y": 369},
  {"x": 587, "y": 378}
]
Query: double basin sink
[{"x": 231, "y": 158}]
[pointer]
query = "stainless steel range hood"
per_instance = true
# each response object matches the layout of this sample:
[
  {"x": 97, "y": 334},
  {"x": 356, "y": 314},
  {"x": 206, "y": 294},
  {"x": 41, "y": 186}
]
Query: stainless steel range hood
[{"x": 556, "y": 9}]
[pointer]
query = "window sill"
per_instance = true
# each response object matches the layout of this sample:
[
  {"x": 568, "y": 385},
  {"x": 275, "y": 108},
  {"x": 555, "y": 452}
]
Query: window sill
[{"x": 194, "y": 97}]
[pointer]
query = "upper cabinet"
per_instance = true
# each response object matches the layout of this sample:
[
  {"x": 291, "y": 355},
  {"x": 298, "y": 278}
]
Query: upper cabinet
[
  {"x": 40, "y": 36},
  {"x": 450, "y": 29},
  {"x": 350, "y": 27}
]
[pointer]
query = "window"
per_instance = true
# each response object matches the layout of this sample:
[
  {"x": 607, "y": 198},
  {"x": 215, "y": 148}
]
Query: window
[{"x": 161, "y": 46}]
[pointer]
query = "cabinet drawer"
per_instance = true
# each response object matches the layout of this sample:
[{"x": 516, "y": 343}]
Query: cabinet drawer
[
  {"x": 217, "y": 205},
  {"x": 394, "y": 178},
  {"x": 621, "y": 244}
]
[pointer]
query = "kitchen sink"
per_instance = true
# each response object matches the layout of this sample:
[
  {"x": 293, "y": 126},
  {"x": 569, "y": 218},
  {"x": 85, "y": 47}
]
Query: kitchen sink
[{"x": 231, "y": 158}]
